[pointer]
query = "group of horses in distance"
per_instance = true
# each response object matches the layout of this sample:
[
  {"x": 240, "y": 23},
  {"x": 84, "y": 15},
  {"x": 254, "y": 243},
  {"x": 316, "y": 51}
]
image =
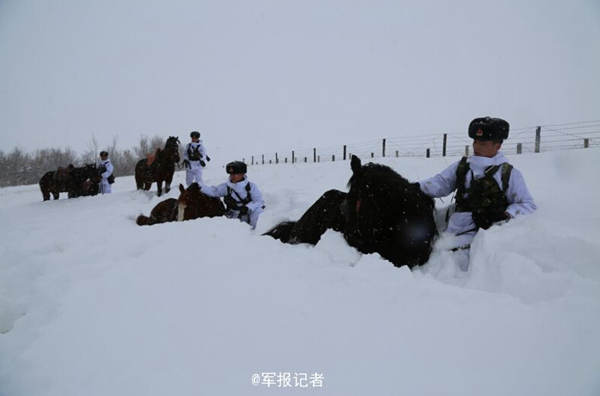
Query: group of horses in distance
[
  {"x": 157, "y": 167},
  {"x": 381, "y": 213},
  {"x": 75, "y": 181}
]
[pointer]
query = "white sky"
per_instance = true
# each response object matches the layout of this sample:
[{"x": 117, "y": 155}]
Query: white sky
[{"x": 254, "y": 76}]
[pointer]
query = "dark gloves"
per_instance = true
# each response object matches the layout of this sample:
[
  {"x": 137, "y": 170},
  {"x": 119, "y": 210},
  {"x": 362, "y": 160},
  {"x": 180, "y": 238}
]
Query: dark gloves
[
  {"x": 202, "y": 163},
  {"x": 186, "y": 164},
  {"x": 207, "y": 158},
  {"x": 244, "y": 210}
]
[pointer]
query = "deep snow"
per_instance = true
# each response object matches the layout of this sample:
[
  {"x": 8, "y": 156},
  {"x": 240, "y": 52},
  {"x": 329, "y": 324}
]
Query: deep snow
[{"x": 92, "y": 304}]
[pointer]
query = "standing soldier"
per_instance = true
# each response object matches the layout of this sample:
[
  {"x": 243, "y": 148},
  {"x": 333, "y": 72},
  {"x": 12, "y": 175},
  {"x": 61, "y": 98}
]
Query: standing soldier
[
  {"x": 194, "y": 159},
  {"x": 107, "y": 173}
]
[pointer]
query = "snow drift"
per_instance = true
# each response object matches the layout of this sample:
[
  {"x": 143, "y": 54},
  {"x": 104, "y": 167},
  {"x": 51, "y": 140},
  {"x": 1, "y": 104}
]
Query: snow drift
[{"x": 92, "y": 304}]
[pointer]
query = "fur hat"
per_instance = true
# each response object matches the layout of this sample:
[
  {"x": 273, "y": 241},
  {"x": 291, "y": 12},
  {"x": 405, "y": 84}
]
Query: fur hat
[{"x": 488, "y": 128}]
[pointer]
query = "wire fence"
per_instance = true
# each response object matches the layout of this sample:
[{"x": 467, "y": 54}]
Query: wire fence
[{"x": 541, "y": 138}]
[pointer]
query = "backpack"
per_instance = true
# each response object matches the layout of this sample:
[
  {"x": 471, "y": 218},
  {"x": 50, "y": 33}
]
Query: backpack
[
  {"x": 194, "y": 153},
  {"x": 484, "y": 198}
]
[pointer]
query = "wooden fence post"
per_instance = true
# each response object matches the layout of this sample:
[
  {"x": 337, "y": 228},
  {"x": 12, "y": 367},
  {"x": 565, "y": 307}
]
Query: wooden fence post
[
  {"x": 276, "y": 158},
  {"x": 263, "y": 159},
  {"x": 383, "y": 148},
  {"x": 372, "y": 155},
  {"x": 396, "y": 153},
  {"x": 519, "y": 148},
  {"x": 305, "y": 159},
  {"x": 286, "y": 160},
  {"x": 314, "y": 155},
  {"x": 332, "y": 157},
  {"x": 586, "y": 143},
  {"x": 427, "y": 153},
  {"x": 293, "y": 159},
  {"x": 444, "y": 146},
  {"x": 344, "y": 152},
  {"x": 318, "y": 158},
  {"x": 538, "y": 138}
]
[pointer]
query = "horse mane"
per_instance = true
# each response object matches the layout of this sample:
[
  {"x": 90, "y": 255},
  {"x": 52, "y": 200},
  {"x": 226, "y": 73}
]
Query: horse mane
[{"x": 379, "y": 174}]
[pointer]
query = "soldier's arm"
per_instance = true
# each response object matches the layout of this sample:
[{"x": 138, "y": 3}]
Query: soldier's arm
[
  {"x": 519, "y": 199},
  {"x": 214, "y": 191},
  {"x": 257, "y": 199},
  {"x": 109, "y": 170},
  {"x": 441, "y": 184}
]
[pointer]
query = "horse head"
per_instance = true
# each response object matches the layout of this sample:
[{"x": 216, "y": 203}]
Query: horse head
[
  {"x": 172, "y": 148},
  {"x": 380, "y": 199},
  {"x": 190, "y": 196}
]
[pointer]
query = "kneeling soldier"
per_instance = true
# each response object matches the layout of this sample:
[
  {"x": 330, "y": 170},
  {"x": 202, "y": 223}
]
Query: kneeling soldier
[
  {"x": 242, "y": 197},
  {"x": 488, "y": 188}
]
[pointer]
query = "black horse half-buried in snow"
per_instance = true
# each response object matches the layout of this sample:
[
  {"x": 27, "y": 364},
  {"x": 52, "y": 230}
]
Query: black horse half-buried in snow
[{"x": 381, "y": 213}]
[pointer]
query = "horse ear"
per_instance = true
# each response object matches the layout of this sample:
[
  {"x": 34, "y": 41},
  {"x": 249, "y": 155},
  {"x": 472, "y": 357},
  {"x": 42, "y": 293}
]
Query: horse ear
[
  {"x": 181, "y": 188},
  {"x": 355, "y": 164}
]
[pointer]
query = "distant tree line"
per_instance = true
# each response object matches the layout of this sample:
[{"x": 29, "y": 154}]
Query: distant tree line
[{"x": 18, "y": 167}]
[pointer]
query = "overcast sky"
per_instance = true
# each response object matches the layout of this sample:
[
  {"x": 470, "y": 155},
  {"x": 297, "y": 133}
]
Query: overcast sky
[{"x": 260, "y": 75}]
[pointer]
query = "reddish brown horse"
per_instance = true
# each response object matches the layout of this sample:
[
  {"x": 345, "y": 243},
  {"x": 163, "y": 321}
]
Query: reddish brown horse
[{"x": 191, "y": 204}]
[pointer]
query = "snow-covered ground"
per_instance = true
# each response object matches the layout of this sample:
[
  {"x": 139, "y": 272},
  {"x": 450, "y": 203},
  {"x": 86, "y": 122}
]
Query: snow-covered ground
[{"x": 92, "y": 304}]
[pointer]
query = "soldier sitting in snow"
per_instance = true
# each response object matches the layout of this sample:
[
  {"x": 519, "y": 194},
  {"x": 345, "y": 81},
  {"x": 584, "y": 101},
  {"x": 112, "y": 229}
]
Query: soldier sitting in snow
[
  {"x": 488, "y": 188},
  {"x": 242, "y": 197}
]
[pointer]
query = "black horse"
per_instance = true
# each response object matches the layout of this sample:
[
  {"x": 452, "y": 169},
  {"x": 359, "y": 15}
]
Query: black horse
[
  {"x": 383, "y": 213},
  {"x": 86, "y": 180},
  {"x": 76, "y": 182},
  {"x": 55, "y": 182},
  {"x": 158, "y": 167}
]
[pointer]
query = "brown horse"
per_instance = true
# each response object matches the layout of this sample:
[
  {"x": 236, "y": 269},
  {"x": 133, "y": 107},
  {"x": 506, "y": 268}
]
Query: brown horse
[
  {"x": 159, "y": 167},
  {"x": 191, "y": 204}
]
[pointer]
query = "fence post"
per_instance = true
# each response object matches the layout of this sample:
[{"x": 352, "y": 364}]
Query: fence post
[
  {"x": 332, "y": 157},
  {"x": 444, "y": 146},
  {"x": 263, "y": 159},
  {"x": 519, "y": 148},
  {"x": 383, "y": 148},
  {"x": 305, "y": 159},
  {"x": 293, "y": 160},
  {"x": 344, "y": 152},
  {"x": 276, "y": 158},
  {"x": 396, "y": 153},
  {"x": 586, "y": 143},
  {"x": 286, "y": 160},
  {"x": 270, "y": 161},
  {"x": 427, "y": 153},
  {"x": 372, "y": 155},
  {"x": 318, "y": 158},
  {"x": 466, "y": 151},
  {"x": 314, "y": 155},
  {"x": 538, "y": 138},
  {"x": 252, "y": 160}
]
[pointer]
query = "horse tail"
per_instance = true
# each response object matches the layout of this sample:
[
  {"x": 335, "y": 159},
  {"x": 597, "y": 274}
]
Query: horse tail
[{"x": 144, "y": 220}]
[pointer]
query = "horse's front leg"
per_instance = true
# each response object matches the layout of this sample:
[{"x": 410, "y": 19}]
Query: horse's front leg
[
  {"x": 325, "y": 213},
  {"x": 159, "y": 187}
]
